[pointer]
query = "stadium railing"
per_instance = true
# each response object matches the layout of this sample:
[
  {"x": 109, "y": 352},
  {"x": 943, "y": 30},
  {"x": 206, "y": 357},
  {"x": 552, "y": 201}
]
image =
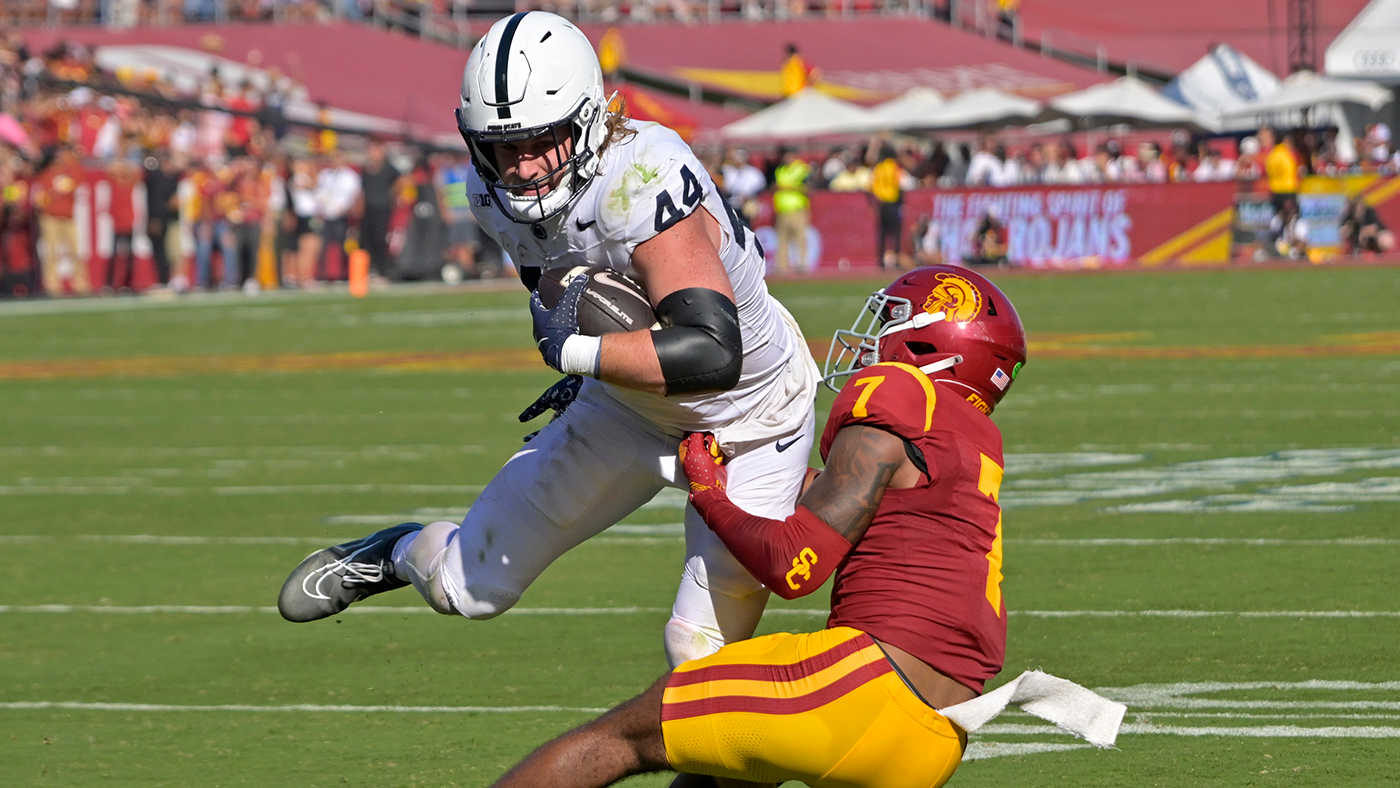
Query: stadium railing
[
  {"x": 460, "y": 22},
  {"x": 434, "y": 18}
]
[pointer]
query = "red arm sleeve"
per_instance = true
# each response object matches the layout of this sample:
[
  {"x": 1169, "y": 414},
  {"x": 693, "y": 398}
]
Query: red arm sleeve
[{"x": 793, "y": 557}]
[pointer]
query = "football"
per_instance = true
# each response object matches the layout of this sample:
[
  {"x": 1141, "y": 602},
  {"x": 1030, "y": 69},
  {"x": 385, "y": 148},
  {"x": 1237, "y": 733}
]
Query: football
[{"x": 611, "y": 302}]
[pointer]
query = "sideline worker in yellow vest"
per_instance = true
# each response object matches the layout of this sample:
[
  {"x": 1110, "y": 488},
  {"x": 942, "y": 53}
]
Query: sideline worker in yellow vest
[
  {"x": 796, "y": 74},
  {"x": 791, "y": 210},
  {"x": 1280, "y": 167},
  {"x": 889, "y": 200}
]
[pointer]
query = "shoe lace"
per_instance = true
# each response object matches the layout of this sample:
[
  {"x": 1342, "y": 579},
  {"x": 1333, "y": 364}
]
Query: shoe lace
[{"x": 358, "y": 573}]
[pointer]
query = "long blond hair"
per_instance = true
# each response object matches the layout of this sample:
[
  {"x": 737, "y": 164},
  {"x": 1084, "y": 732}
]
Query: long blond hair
[{"x": 618, "y": 126}]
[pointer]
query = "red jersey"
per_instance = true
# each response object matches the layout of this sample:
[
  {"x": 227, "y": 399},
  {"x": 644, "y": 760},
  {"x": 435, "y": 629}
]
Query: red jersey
[
  {"x": 926, "y": 577},
  {"x": 90, "y": 123},
  {"x": 123, "y": 205},
  {"x": 240, "y": 129},
  {"x": 59, "y": 185}
]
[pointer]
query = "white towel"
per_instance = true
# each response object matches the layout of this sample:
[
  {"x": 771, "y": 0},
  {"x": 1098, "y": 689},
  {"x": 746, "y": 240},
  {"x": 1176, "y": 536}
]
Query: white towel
[{"x": 1073, "y": 708}]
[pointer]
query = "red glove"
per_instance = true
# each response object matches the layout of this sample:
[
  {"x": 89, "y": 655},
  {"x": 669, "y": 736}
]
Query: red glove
[
  {"x": 792, "y": 557},
  {"x": 703, "y": 463}
]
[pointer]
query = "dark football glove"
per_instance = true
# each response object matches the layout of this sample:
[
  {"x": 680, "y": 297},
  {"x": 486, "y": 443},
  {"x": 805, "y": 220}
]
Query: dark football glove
[
  {"x": 554, "y": 326},
  {"x": 556, "y": 398}
]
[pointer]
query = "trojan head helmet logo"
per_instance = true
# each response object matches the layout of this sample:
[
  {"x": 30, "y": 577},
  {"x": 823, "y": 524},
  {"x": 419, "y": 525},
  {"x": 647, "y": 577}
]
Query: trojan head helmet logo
[{"x": 955, "y": 297}]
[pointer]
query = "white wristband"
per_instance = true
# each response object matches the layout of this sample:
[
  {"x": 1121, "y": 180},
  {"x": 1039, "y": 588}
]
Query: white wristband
[{"x": 581, "y": 355}]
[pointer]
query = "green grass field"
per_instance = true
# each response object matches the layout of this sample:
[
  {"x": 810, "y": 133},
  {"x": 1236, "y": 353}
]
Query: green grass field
[{"x": 1202, "y": 494}]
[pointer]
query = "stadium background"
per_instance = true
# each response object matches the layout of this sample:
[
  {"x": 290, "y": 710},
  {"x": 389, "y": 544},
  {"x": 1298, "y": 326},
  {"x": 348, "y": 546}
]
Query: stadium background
[{"x": 1202, "y": 459}]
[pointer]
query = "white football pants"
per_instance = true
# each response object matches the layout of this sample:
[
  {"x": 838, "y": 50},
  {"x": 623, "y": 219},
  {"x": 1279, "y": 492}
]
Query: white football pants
[{"x": 586, "y": 471}]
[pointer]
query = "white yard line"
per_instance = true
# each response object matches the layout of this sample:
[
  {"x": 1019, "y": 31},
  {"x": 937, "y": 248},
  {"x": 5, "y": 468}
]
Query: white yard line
[
  {"x": 989, "y": 749},
  {"x": 1359, "y": 541},
  {"x": 1206, "y": 613},
  {"x": 262, "y": 489},
  {"x": 1145, "y": 702},
  {"x": 628, "y": 532},
  {"x": 1253, "y": 732},
  {"x": 982, "y": 750},
  {"x": 626, "y": 611},
  {"x": 1230, "y": 715},
  {"x": 358, "y": 609},
  {"x": 607, "y": 537},
  {"x": 301, "y": 707}
]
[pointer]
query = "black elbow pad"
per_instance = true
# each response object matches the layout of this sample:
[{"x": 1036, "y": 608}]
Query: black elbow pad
[{"x": 699, "y": 345}]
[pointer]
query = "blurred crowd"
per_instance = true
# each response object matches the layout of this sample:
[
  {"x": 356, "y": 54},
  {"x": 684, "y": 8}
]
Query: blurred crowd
[
  {"x": 930, "y": 164},
  {"x": 220, "y": 191},
  {"x": 130, "y": 13},
  {"x": 1268, "y": 162},
  {"x": 214, "y": 186}
]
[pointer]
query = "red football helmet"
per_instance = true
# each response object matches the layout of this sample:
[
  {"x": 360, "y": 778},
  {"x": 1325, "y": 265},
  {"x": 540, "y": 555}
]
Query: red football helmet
[{"x": 951, "y": 323}]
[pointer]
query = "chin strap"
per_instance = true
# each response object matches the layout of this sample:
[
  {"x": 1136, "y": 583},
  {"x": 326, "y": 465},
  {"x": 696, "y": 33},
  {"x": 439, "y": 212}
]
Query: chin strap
[
  {"x": 918, "y": 321},
  {"x": 938, "y": 366}
]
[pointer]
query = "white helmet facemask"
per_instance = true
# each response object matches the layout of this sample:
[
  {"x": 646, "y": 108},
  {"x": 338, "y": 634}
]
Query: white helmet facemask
[{"x": 534, "y": 74}]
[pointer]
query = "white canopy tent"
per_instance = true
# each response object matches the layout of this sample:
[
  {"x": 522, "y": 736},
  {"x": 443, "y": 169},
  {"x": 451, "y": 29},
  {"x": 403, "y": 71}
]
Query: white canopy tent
[
  {"x": 809, "y": 113},
  {"x": 980, "y": 108},
  {"x": 1304, "y": 91},
  {"x": 1220, "y": 83},
  {"x": 1369, "y": 47},
  {"x": 1306, "y": 99},
  {"x": 1126, "y": 100},
  {"x": 910, "y": 111}
]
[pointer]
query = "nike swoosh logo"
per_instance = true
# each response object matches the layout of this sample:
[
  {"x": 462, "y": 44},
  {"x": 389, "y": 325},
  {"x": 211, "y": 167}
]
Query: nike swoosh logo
[
  {"x": 610, "y": 278},
  {"x": 785, "y": 446},
  {"x": 582, "y": 225}
]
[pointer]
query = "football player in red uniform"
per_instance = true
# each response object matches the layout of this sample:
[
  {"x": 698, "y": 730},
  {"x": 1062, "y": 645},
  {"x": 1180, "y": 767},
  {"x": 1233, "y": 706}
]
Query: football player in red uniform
[{"x": 905, "y": 515}]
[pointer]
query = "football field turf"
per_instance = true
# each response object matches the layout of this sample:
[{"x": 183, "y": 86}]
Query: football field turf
[{"x": 1202, "y": 497}]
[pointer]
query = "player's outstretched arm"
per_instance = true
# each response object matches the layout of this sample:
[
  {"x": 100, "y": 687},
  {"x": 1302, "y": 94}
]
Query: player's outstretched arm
[
  {"x": 699, "y": 349},
  {"x": 862, "y": 463},
  {"x": 793, "y": 557}
]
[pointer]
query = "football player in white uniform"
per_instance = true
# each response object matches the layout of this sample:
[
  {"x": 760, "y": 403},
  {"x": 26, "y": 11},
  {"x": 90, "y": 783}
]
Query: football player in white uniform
[{"x": 561, "y": 180}]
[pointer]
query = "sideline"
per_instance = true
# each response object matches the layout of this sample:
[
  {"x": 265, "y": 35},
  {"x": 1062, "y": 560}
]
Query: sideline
[
  {"x": 631, "y": 611},
  {"x": 1063, "y": 346},
  {"x": 676, "y": 530}
]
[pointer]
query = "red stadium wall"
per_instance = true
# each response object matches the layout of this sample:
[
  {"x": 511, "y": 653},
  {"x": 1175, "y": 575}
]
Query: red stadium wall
[
  {"x": 1063, "y": 227},
  {"x": 1054, "y": 227}
]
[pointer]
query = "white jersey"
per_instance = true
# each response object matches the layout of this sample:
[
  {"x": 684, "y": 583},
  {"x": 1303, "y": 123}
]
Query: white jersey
[{"x": 646, "y": 184}]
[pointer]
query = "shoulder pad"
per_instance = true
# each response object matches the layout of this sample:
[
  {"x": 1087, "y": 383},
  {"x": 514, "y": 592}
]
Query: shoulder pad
[
  {"x": 895, "y": 397},
  {"x": 653, "y": 182}
]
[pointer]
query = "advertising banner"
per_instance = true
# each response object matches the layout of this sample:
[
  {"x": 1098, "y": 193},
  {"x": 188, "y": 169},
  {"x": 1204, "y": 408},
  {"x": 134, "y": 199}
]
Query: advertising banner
[
  {"x": 1081, "y": 227},
  {"x": 1043, "y": 227}
]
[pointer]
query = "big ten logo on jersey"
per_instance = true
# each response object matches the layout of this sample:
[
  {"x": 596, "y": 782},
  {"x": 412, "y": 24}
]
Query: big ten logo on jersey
[
  {"x": 801, "y": 565},
  {"x": 692, "y": 194},
  {"x": 481, "y": 200}
]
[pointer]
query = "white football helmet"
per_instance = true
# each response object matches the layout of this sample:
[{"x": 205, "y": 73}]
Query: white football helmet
[{"x": 534, "y": 73}]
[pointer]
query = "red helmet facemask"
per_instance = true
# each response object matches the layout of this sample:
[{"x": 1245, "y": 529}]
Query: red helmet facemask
[{"x": 953, "y": 324}]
